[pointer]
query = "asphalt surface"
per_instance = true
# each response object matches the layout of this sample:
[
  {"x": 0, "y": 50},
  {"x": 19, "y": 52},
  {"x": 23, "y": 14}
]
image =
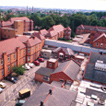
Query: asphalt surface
[{"x": 11, "y": 92}]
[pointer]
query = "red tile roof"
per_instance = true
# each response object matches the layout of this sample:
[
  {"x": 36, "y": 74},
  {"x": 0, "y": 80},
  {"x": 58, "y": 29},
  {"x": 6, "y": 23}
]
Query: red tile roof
[
  {"x": 43, "y": 32},
  {"x": 22, "y": 38},
  {"x": 32, "y": 42},
  {"x": 9, "y": 46},
  {"x": 54, "y": 30},
  {"x": 103, "y": 34},
  {"x": 39, "y": 36}
]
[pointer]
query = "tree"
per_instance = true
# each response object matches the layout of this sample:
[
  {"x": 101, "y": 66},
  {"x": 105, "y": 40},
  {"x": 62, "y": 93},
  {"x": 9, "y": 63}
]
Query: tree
[
  {"x": 47, "y": 22},
  {"x": 95, "y": 22}
]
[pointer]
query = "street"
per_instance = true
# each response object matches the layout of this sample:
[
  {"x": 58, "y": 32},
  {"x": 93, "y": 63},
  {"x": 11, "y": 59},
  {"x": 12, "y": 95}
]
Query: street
[{"x": 11, "y": 92}]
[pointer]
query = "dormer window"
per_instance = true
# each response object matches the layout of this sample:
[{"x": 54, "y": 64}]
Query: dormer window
[
  {"x": 97, "y": 44},
  {"x": 101, "y": 44}
]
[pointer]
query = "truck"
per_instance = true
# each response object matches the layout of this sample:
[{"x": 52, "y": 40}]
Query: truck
[{"x": 24, "y": 93}]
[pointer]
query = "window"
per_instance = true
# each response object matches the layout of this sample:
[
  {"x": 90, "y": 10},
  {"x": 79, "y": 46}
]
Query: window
[
  {"x": 19, "y": 61},
  {"x": 33, "y": 57},
  {"x": 24, "y": 59},
  {"x": 20, "y": 53},
  {"x": 8, "y": 36},
  {"x": 97, "y": 44},
  {"x": 28, "y": 58},
  {"x": 36, "y": 47},
  {"x": 105, "y": 45},
  {"x": 46, "y": 78},
  {"x": 14, "y": 64},
  {"x": 14, "y": 55},
  {"x": 8, "y": 68},
  {"x": 4, "y": 35},
  {"x": 101, "y": 44},
  {"x": 39, "y": 46},
  {"x": 2, "y": 62},
  {"x": 36, "y": 55},
  {"x": 33, "y": 49},
  {"x": 50, "y": 64},
  {"x": 8, "y": 58},
  {"x": 28, "y": 50},
  {"x": 24, "y": 51},
  {"x": 2, "y": 72},
  {"x": 8, "y": 30}
]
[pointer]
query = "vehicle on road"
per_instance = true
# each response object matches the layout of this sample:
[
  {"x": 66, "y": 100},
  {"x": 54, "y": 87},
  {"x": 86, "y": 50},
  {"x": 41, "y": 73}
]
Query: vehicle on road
[
  {"x": 24, "y": 93},
  {"x": 41, "y": 59},
  {"x": 2, "y": 85},
  {"x": 27, "y": 67},
  {"x": 20, "y": 102},
  {"x": 12, "y": 79},
  {"x": 31, "y": 65},
  {"x": 1, "y": 90},
  {"x": 36, "y": 63}
]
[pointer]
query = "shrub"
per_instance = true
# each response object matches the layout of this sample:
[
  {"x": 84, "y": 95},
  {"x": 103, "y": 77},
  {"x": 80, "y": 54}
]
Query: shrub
[{"x": 18, "y": 70}]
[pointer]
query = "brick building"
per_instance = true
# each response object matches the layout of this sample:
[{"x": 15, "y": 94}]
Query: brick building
[
  {"x": 63, "y": 53},
  {"x": 95, "y": 70},
  {"x": 14, "y": 26},
  {"x": 18, "y": 51},
  {"x": 82, "y": 29},
  {"x": 67, "y": 71},
  {"x": 56, "y": 31}
]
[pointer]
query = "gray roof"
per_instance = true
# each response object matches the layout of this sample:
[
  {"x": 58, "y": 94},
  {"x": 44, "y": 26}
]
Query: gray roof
[
  {"x": 70, "y": 68},
  {"x": 66, "y": 50},
  {"x": 95, "y": 75},
  {"x": 57, "y": 84},
  {"x": 96, "y": 56},
  {"x": 59, "y": 97},
  {"x": 44, "y": 71},
  {"x": 95, "y": 92}
]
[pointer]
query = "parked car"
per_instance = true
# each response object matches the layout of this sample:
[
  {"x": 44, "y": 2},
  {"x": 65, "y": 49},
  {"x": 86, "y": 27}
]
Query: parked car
[
  {"x": 27, "y": 67},
  {"x": 41, "y": 59},
  {"x": 1, "y": 89},
  {"x": 12, "y": 79},
  {"x": 20, "y": 102},
  {"x": 2, "y": 85},
  {"x": 31, "y": 65},
  {"x": 36, "y": 63}
]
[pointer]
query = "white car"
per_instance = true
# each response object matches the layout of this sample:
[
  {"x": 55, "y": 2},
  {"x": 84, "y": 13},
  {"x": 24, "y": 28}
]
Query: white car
[
  {"x": 27, "y": 67},
  {"x": 1, "y": 90},
  {"x": 2, "y": 85},
  {"x": 31, "y": 64}
]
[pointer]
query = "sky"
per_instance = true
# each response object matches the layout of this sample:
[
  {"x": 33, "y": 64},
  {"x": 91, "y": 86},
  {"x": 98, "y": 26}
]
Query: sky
[{"x": 63, "y": 4}]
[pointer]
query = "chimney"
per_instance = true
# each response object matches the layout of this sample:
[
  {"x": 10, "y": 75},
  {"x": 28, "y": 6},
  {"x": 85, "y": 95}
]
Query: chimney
[
  {"x": 41, "y": 103},
  {"x": 101, "y": 53},
  {"x": 50, "y": 92}
]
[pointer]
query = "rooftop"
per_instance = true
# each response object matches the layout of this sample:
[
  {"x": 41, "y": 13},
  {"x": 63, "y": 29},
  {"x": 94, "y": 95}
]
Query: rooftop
[
  {"x": 59, "y": 97},
  {"x": 52, "y": 60}
]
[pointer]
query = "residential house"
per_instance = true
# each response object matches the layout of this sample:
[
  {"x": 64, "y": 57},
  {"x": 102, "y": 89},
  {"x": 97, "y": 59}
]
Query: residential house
[
  {"x": 48, "y": 95},
  {"x": 67, "y": 33},
  {"x": 95, "y": 70}
]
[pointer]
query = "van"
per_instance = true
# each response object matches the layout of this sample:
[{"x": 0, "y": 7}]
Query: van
[{"x": 24, "y": 93}]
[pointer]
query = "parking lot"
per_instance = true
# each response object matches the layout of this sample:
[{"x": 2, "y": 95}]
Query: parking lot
[{"x": 11, "y": 92}]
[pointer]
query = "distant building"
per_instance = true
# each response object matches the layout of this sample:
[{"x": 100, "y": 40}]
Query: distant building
[
  {"x": 95, "y": 70},
  {"x": 14, "y": 26},
  {"x": 83, "y": 29}
]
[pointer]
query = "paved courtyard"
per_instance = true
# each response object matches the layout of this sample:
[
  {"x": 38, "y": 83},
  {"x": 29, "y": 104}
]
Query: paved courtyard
[{"x": 11, "y": 92}]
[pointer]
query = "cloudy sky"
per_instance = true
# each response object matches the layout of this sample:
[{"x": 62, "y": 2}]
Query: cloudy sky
[{"x": 65, "y": 4}]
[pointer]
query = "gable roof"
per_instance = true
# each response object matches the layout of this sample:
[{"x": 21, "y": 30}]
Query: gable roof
[
  {"x": 70, "y": 68},
  {"x": 9, "y": 46},
  {"x": 59, "y": 97},
  {"x": 32, "y": 42},
  {"x": 22, "y": 38},
  {"x": 102, "y": 35},
  {"x": 39, "y": 36},
  {"x": 43, "y": 32},
  {"x": 66, "y": 50}
]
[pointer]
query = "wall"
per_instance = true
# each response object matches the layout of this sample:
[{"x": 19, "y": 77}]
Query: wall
[{"x": 58, "y": 76}]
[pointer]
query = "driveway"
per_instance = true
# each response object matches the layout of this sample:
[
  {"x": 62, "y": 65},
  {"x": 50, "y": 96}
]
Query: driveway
[{"x": 11, "y": 92}]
